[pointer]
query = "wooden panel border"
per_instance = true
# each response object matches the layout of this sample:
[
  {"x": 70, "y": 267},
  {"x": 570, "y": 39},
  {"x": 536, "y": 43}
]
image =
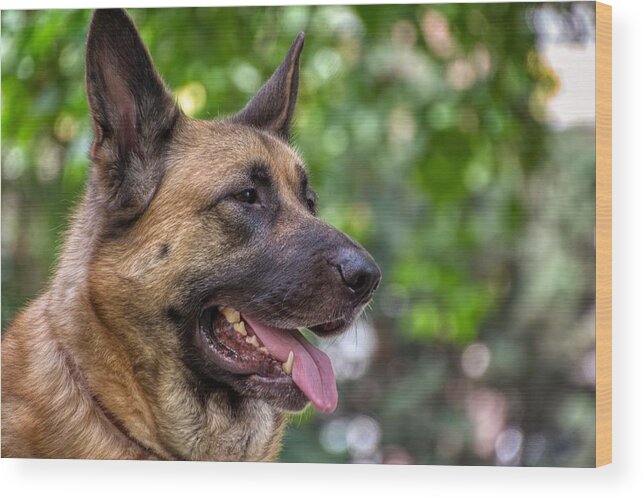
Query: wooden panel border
[{"x": 603, "y": 234}]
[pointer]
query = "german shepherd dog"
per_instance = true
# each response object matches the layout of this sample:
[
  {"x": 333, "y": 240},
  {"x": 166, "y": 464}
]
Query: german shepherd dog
[{"x": 169, "y": 330}]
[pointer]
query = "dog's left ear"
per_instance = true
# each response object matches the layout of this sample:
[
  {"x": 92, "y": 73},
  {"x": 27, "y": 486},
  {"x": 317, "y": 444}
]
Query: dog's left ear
[
  {"x": 133, "y": 113},
  {"x": 274, "y": 105}
]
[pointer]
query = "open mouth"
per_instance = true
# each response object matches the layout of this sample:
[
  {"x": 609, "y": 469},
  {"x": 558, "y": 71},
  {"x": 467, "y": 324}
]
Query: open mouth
[{"x": 278, "y": 359}]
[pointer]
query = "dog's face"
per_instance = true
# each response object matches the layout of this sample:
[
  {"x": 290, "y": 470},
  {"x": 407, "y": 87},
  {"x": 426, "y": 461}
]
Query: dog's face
[{"x": 211, "y": 251}]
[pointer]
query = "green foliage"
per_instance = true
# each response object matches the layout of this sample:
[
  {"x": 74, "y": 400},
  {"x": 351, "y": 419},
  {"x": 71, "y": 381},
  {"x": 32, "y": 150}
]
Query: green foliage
[{"x": 423, "y": 130}]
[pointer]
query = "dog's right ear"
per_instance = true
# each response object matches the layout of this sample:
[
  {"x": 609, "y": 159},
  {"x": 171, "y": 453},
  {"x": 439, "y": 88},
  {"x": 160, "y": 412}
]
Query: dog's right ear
[
  {"x": 132, "y": 111},
  {"x": 274, "y": 105}
]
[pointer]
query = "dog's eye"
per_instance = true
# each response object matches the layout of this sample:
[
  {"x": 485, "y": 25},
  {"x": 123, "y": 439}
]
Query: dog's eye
[
  {"x": 311, "y": 205},
  {"x": 247, "y": 196}
]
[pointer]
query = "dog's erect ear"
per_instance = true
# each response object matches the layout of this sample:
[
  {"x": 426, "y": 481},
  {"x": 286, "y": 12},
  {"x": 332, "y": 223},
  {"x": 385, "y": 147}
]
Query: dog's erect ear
[
  {"x": 133, "y": 113},
  {"x": 273, "y": 106}
]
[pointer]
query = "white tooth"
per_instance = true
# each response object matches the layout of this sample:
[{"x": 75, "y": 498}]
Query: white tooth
[
  {"x": 231, "y": 315},
  {"x": 252, "y": 340},
  {"x": 287, "y": 366},
  {"x": 264, "y": 350},
  {"x": 240, "y": 328}
]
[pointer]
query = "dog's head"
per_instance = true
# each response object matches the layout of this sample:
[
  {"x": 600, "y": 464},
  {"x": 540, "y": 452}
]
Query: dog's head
[{"x": 210, "y": 248}]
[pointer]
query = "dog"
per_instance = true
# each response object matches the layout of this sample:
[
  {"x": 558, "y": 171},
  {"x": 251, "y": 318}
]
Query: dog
[{"x": 170, "y": 327}]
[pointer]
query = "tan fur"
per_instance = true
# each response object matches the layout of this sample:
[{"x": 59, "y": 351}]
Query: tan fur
[{"x": 70, "y": 385}]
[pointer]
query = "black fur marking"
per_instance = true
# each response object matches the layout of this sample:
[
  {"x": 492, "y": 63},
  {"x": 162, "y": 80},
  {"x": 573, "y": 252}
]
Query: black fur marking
[
  {"x": 260, "y": 174},
  {"x": 175, "y": 316},
  {"x": 303, "y": 175},
  {"x": 164, "y": 251}
]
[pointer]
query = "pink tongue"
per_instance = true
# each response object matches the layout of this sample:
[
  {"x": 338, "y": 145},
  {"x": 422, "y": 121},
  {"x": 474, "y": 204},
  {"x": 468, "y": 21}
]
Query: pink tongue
[{"x": 312, "y": 371}]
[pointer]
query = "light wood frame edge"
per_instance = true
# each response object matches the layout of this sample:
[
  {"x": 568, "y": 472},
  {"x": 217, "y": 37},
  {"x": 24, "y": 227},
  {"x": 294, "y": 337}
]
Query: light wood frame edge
[{"x": 603, "y": 234}]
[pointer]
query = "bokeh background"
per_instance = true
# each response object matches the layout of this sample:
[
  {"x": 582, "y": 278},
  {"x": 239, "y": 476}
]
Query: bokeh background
[{"x": 456, "y": 142}]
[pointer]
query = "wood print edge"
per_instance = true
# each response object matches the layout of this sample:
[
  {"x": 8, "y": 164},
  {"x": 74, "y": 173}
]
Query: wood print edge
[{"x": 603, "y": 234}]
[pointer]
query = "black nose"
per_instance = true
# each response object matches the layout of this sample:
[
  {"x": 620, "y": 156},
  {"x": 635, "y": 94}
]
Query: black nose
[{"x": 359, "y": 271}]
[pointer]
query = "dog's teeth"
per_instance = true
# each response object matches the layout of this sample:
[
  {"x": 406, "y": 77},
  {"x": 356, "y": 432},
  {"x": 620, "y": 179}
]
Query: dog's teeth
[
  {"x": 231, "y": 315},
  {"x": 287, "y": 366},
  {"x": 240, "y": 327},
  {"x": 264, "y": 350},
  {"x": 252, "y": 340}
]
